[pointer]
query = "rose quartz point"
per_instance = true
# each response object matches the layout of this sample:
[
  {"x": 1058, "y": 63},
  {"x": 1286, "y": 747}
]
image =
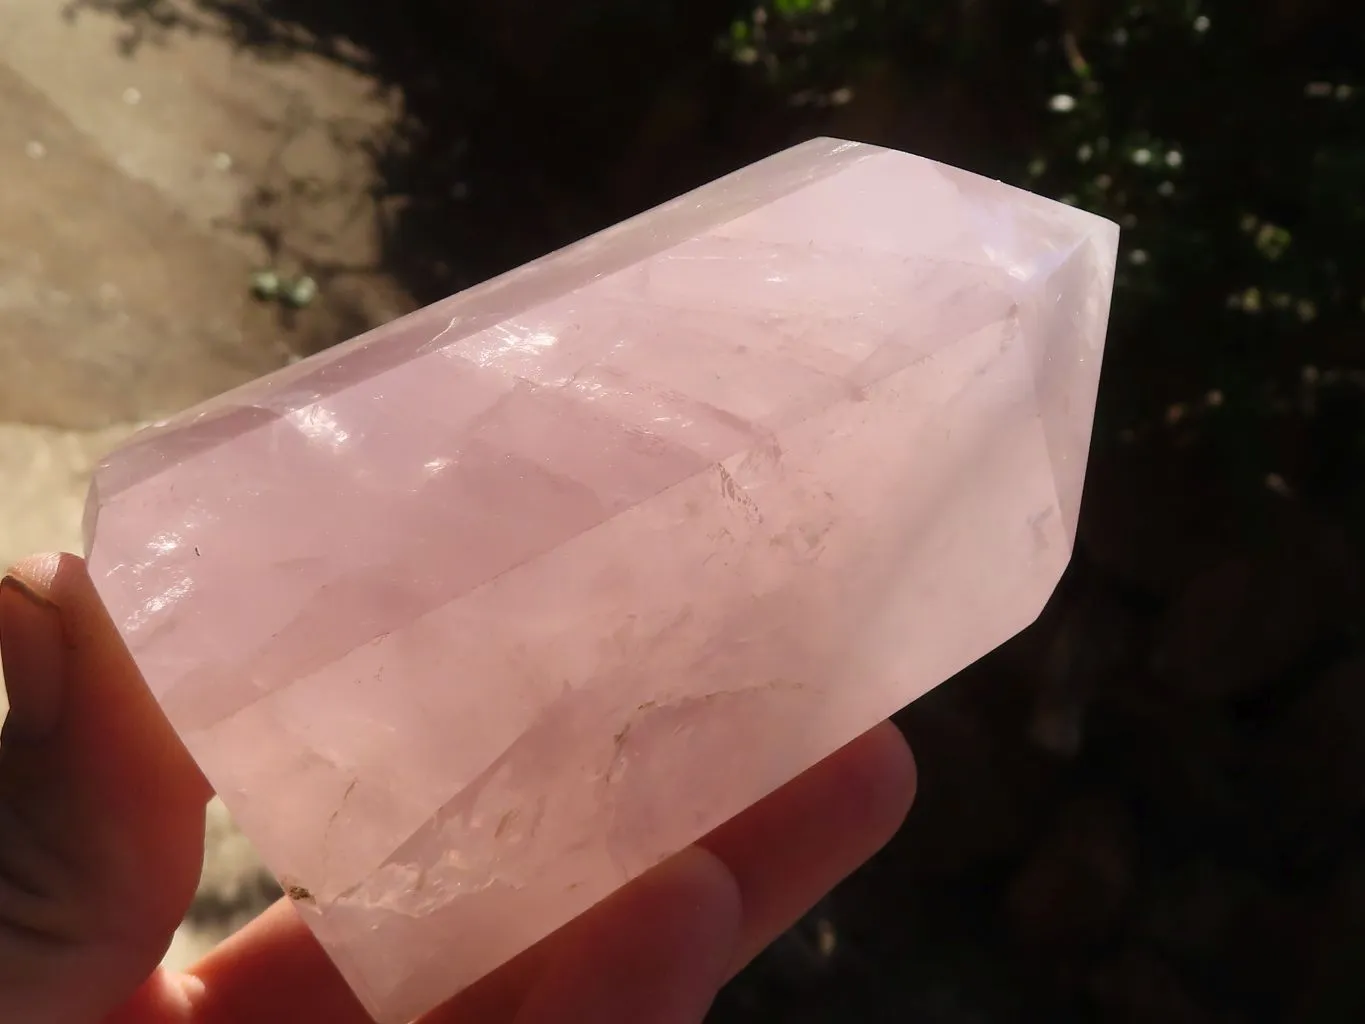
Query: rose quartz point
[{"x": 477, "y": 617}]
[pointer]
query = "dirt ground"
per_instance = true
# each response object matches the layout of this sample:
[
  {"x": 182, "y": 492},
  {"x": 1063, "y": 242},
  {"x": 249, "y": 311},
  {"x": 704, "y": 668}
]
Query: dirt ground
[{"x": 141, "y": 192}]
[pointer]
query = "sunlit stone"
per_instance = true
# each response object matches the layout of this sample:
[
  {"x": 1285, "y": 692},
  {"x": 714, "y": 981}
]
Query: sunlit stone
[{"x": 479, "y": 616}]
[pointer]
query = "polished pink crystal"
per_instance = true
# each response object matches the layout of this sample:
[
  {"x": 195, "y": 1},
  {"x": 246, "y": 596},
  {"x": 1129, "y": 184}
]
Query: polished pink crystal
[{"x": 479, "y": 616}]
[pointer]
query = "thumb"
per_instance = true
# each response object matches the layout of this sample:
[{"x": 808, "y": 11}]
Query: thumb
[{"x": 101, "y": 808}]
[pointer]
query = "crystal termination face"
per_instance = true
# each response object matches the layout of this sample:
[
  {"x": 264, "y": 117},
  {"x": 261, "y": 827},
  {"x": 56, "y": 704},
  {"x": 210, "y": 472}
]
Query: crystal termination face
[{"x": 477, "y": 617}]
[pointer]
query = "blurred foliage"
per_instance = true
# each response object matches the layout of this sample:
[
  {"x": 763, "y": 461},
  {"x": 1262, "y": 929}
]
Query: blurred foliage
[
  {"x": 1228, "y": 140},
  {"x": 1213, "y": 140}
]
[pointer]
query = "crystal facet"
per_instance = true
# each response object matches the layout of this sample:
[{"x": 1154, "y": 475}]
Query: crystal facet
[{"x": 478, "y": 616}]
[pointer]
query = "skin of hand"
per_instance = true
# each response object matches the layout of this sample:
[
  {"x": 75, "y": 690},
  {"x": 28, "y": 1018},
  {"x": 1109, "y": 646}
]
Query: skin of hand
[{"x": 101, "y": 844}]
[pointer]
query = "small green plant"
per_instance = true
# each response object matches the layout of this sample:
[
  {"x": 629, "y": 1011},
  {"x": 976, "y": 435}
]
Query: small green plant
[{"x": 267, "y": 285}]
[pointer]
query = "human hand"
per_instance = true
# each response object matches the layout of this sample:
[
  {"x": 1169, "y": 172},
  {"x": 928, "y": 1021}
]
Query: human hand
[{"x": 101, "y": 842}]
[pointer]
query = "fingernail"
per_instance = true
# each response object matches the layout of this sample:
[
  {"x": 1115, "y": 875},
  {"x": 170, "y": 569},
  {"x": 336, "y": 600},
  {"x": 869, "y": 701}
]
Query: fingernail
[{"x": 33, "y": 654}]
